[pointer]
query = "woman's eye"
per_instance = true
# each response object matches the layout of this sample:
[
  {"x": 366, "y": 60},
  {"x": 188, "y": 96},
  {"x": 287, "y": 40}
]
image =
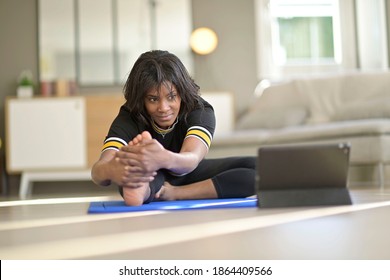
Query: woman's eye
[{"x": 152, "y": 99}]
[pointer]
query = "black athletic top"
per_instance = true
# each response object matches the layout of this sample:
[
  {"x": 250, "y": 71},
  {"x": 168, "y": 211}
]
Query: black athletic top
[{"x": 200, "y": 123}]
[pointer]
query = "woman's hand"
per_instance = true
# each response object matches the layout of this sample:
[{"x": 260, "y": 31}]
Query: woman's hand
[
  {"x": 147, "y": 156},
  {"x": 132, "y": 176},
  {"x": 109, "y": 169}
]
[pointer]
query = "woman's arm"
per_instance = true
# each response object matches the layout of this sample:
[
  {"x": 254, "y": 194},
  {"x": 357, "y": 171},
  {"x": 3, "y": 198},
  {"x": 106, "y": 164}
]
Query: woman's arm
[
  {"x": 102, "y": 171},
  {"x": 150, "y": 156},
  {"x": 191, "y": 153}
]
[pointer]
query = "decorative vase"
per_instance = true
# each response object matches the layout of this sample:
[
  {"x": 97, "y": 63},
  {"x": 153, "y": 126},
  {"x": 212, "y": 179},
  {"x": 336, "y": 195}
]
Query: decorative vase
[{"x": 25, "y": 91}]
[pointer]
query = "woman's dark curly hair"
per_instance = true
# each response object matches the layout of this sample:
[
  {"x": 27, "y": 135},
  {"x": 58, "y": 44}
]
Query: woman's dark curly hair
[{"x": 151, "y": 70}]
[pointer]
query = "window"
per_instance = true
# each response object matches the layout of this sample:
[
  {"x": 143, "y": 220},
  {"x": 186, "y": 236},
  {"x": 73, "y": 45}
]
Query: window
[
  {"x": 305, "y": 31},
  {"x": 304, "y": 37},
  {"x": 96, "y": 42},
  {"x": 310, "y": 37}
]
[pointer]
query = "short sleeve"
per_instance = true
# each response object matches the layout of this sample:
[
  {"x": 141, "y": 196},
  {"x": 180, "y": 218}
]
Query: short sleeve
[
  {"x": 122, "y": 130},
  {"x": 201, "y": 124}
]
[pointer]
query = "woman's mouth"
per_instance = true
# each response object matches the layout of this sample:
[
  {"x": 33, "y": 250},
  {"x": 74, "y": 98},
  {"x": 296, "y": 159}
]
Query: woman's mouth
[
  {"x": 164, "y": 121},
  {"x": 164, "y": 118}
]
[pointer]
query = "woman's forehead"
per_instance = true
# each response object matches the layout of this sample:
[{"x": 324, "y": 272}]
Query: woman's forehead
[{"x": 165, "y": 87}]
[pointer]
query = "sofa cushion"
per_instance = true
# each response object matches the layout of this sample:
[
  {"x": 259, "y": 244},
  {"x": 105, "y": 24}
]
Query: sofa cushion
[
  {"x": 279, "y": 106},
  {"x": 332, "y": 130},
  {"x": 327, "y": 95},
  {"x": 272, "y": 118},
  {"x": 322, "y": 96},
  {"x": 375, "y": 108},
  {"x": 365, "y": 85}
]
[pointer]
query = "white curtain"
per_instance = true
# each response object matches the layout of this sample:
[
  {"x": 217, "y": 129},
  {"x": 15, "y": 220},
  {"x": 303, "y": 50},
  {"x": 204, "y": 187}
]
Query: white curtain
[{"x": 373, "y": 49}]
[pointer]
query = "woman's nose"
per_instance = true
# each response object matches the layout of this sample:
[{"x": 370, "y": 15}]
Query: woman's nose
[{"x": 163, "y": 106}]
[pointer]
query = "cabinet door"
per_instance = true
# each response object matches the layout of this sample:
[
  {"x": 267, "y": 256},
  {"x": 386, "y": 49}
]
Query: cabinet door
[
  {"x": 45, "y": 134},
  {"x": 100, "y": 112}
]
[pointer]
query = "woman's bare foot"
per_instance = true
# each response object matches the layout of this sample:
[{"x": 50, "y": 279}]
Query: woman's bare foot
[
  {"x": 199, "y": 190},
  {"x": 167, "y": 192},
  {"x": 135, "y": 196},
  {"x": 145, "y": 135}
]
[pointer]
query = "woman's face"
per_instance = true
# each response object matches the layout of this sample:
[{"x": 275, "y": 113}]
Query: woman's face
[{"x": 163, "y": 105}]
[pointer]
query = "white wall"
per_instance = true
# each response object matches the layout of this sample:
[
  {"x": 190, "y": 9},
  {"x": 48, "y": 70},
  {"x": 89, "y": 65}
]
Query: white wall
[{"x": 232, "y": 66}]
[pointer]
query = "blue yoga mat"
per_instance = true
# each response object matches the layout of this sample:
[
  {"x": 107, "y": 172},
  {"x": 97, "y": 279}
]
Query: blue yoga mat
[{"x": 120, "y": 206}]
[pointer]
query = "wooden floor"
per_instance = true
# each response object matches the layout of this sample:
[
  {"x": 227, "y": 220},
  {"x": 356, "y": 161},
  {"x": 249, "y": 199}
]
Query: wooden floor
[{"x": 60, "y": 228}]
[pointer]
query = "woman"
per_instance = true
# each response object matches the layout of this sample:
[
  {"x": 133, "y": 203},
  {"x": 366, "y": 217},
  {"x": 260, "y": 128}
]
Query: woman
[{"x": 156, "y": 146}]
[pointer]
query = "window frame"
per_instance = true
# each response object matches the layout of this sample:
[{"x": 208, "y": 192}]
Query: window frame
[{"x": 344, "y": 50}]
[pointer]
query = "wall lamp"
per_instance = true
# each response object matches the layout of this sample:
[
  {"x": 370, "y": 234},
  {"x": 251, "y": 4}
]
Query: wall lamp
[{"x": 203, "y": 41}]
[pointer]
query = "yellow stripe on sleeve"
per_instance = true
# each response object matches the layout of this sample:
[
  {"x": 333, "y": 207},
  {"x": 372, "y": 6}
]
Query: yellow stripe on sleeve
[
  {"x": 200, "y": 134},
  {"x": 112, "y": 144}
]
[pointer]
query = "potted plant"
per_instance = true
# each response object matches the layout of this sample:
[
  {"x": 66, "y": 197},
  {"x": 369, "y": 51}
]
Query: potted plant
[{"x": 25, "y": 84}]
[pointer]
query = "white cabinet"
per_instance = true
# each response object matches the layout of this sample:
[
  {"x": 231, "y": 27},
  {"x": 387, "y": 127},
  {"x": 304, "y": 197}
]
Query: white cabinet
[
  {"x": 46, "y": 134},
  {"x": 56, "y": 138}
]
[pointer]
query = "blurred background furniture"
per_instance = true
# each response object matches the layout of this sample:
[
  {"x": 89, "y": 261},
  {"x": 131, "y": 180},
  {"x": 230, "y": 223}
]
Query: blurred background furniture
[
  {"x": 352, "y": 108},
  {"x": 56, "y": 138}
]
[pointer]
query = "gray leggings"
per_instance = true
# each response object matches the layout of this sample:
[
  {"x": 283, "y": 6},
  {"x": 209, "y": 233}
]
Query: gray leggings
[{"x": 233, "y": 177}]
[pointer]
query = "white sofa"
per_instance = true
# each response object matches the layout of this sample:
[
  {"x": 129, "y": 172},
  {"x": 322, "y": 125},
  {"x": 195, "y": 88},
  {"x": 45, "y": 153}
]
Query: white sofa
[{"x": 353, "y": 108}]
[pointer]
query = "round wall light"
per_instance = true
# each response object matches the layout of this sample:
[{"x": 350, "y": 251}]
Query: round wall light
[{"x": 203, "y": 41}]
